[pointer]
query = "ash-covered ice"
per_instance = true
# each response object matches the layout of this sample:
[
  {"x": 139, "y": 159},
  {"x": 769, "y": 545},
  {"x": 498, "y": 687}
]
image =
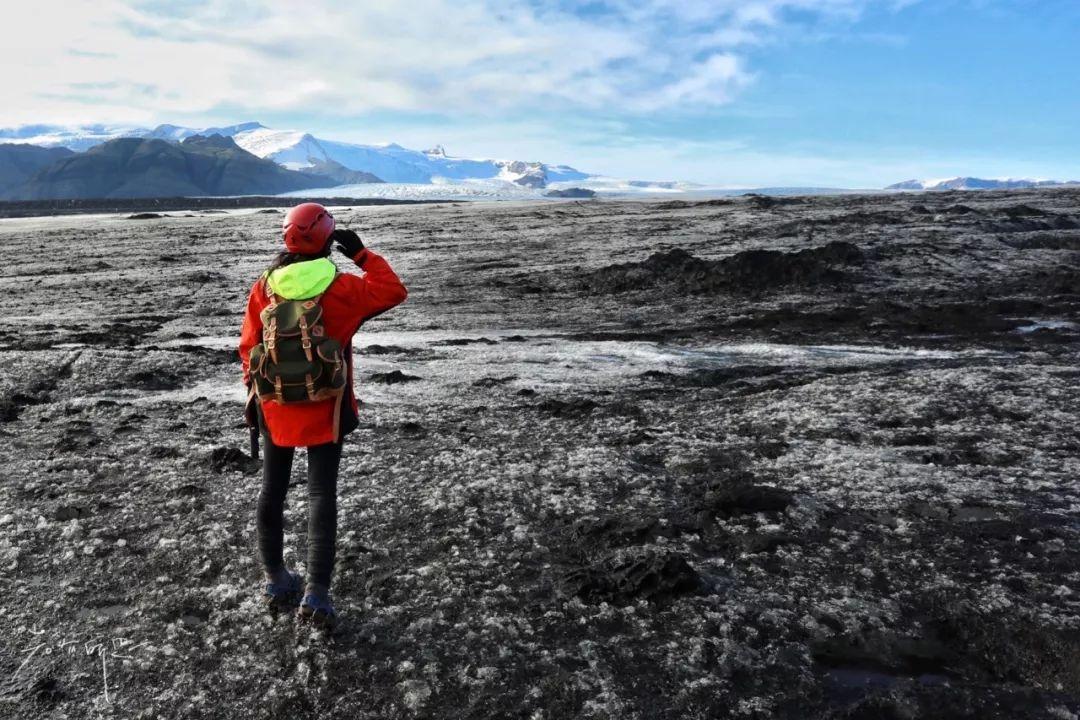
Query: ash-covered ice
[{"x": 756, "y": 457}]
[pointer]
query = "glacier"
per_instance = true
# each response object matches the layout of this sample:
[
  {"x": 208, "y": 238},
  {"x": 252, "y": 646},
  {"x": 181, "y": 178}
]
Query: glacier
[
  {"x": 298, "y": 150},
  {"x": 975, "y": 183}
]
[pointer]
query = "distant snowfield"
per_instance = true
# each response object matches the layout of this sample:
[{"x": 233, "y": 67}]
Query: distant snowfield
[
  {"x": 496, "y": 189},
  {"x": 462, "y": 190}
]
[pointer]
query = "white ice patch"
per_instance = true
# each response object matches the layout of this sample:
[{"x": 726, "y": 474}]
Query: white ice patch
[
  {"x": 216, "y": 391},
  {"x": 219, "y": 391},
  {"x": 802, "y": 355},
  {"x": 545, "y": 361},
  {"x": 1047, "y": 325},
  {"x": 206, "y": 341},
  {"x": 536, "y": 359}
]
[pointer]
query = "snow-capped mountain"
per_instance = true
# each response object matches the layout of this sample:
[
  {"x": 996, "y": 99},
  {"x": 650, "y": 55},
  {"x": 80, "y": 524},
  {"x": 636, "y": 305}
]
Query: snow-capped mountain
[
  {"x": 298, "y": 150},
  {"x": 973, "y": 183},
  {"x": 153, "y": 167},
  {"x": 394, "y": 163},
  {"x": 79, "y": 139}
]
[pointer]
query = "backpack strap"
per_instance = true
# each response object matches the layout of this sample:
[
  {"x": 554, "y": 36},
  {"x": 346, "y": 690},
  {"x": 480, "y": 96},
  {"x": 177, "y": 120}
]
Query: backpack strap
[
  {"x": 270, "y": 338},
  {"x": 270, "y": 295},
  {"x": 337, "y": 414},
  {"x": 305, "y": 340}
]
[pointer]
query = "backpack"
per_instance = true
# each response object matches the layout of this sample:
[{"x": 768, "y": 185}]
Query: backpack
[{"x": 296, "y": 362}]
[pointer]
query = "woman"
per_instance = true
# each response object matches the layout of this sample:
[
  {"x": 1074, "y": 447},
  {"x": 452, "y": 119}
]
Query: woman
[{"x": 334, "y": 307}]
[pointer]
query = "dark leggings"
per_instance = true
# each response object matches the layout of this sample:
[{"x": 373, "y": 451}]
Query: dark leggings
[{"x": 323, "y": 461}]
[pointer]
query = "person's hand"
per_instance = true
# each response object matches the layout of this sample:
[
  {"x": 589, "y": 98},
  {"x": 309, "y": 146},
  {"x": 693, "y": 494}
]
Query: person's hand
[{"x": 348, "y": 242}]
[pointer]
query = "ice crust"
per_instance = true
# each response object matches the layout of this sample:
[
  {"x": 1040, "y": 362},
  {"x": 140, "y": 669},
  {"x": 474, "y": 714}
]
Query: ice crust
[{"x": 847, "y": 500}]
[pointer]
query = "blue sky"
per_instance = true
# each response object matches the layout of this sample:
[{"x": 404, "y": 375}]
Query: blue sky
[{"x": 856, "y": 93}]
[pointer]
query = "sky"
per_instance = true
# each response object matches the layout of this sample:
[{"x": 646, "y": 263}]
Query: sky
[{"x": 737, "y": 93}]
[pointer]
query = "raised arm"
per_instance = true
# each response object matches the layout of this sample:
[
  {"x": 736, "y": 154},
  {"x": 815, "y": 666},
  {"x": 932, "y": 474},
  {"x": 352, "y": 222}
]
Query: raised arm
[{"x": 380, "y": 288}]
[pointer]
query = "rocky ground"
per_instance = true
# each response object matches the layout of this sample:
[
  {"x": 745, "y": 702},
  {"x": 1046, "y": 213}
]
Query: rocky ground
[{"x": 756, "y": 457}]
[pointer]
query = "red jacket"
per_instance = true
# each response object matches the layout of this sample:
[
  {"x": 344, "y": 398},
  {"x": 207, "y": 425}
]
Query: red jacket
[{"x": 347, "y": 304}]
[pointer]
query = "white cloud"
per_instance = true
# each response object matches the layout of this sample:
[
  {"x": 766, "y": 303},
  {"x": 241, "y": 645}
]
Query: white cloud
[
  {"x": 709, "y": 82},
  {"x": 146, "y": 61}
]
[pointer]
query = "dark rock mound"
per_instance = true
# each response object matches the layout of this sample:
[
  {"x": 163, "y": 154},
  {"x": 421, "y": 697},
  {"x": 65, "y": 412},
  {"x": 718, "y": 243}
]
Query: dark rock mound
[
  {"x": 1024, "y": 218},
  {"x": 201, "y": 277},
  {"x": 880, "y": 217},
  {"x": 1022, "y": 210},
  {"x": 456, "y": 342},
  {"x": 37, "y": 683},
  {"x": 11, "y": 407},
  {"x": 767, "y": 202},
  {"x": 764, "y": 542},
  {"x": 884, "y": 652},
  {"x": 1003, "y": 650},
  {"x": 228, "y": 459},
  {"x": 393, "y": 377},
  {"x": 967, "y": 451},
  {"x": 214, "y": 356},
  {"x": 613, "y": 530},
  {"x": 743, "y": 498},
  {"x": 145, "y": 216},
  {"x": 571, "y": 193},
  {"x": 70, "y": 512},
  {"x": 76, "y": 437},
  {"x": 1046, "y": 241},
  {"x": 487, "y": 382},
  {"x": 1061, "y": 280},
  {"x": 909, "y": 438},
  {"x": 735, "y": 378},
  {"x": 673, "y": 267},
  {"x": 411, "y": 427},
  {"x": 576, "y": 408},
  {"x": 748, "y": 271},
  {"x": 161, "y": 379},
  {"x": 960, "y": 209},
  {"x": 622, "y": 580},
  {"x": 766, "y": 268},
  {"x": 385, "y": 350}
]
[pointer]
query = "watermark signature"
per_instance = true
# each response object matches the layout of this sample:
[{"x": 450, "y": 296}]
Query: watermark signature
[{"x": 105, "y": 649}]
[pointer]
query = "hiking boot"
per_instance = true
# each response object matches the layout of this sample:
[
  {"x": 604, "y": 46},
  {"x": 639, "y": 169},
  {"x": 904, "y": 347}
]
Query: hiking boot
[
  {"x": 282, "y": 595},
  {"x": 318, "y": 610}
]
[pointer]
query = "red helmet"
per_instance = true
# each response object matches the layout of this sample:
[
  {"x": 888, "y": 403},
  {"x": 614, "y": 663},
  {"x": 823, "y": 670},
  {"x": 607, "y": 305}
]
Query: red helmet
[{"x": 306, "y": 228}]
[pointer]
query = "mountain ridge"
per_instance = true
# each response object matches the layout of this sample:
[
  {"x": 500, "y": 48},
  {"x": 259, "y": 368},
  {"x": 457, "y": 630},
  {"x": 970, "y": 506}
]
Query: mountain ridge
[
  {"x": 975, "y": 183},
  {"x": 303, "y": 151},
  {"x": 19, "y": 162},
  {"x": 152, "y": 167}
]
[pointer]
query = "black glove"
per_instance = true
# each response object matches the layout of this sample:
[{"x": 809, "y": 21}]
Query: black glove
[{"x": 348, "y": 242}]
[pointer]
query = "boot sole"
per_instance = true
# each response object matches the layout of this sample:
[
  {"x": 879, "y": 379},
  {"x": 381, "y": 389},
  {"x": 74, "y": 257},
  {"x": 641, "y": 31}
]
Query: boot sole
[
  {"x": 277, "y": 604},
  {"x": 317, "y": 619}
]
